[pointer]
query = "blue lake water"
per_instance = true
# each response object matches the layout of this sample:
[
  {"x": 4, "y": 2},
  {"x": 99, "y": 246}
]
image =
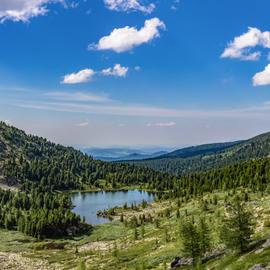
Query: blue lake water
[{"x": 88, "y": 203}]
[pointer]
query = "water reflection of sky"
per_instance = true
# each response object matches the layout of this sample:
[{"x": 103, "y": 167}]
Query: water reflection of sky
[{"x": 88, "y": 203}]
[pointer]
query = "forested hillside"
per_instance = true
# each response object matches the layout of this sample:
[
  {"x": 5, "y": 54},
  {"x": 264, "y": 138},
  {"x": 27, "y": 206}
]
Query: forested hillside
[
  {"x": 207, "y": 157},
  {"x": 254, "y": 175},
  {"x": 40, "y": 170},
  {"x": 31, "y": 160}
]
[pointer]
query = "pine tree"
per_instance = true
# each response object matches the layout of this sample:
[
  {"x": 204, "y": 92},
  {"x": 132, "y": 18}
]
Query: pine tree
[
  {"x": 204, "y": 235},
  {"x": 237, "y": 226},
  {"x": 190, "y": 239}
]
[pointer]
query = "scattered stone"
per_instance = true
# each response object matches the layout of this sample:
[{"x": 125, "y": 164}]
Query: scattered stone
[
  {"x": 265, "y": 245},
  {"x": 178, "y": 262},
  {"x": 259, "y": 267},
  {"x": 17, "y": 261}
]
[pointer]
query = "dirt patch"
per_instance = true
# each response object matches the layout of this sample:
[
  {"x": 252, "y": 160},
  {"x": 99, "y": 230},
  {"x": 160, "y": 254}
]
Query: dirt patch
[
  {"x": 8, "y": 183},
  {"x": 96, "y": 246},
  {"x": 14, "y": 261}
]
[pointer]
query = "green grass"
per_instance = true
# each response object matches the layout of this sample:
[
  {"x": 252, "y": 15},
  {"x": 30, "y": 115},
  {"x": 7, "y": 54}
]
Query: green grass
[{"x": 151, "y": 252}]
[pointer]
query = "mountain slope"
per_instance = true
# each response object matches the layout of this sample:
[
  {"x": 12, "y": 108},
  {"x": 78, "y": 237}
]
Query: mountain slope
[
  {"x": 26, "y": 158},
  {"x": 204, "y": 149},
  {"x": 210, "y": 156}
]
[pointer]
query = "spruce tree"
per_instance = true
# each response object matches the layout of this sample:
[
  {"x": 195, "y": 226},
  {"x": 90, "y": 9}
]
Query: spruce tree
[
  {"x": 237, "y": 226},
  {"x": 190, "y": 240}
]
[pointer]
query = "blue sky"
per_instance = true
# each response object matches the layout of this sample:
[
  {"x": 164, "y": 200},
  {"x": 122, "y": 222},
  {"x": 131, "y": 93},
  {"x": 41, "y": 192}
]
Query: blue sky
[{"x": 134, "y": 72}]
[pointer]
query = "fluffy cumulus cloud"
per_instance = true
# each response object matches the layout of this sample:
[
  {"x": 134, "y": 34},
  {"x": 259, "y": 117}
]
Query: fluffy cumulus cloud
[
  {"x": 117, "y": 71},
  {"x": 241, "y": 46},
  {"x": 24, "y": 10},
  {"x": 126, "y": 38},
  {"x": 82, "y": 76},
  {"x": 262, "y": 78},
  {"x": 129, "y": 5}
]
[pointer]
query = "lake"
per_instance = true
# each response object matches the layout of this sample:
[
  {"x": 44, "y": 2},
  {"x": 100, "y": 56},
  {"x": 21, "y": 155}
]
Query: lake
[{"x": 88, "y": 203}]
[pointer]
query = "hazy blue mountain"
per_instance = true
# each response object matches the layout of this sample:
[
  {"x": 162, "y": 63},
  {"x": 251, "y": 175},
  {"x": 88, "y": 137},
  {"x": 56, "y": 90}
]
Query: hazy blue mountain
[{"x": 116, "y": 154}]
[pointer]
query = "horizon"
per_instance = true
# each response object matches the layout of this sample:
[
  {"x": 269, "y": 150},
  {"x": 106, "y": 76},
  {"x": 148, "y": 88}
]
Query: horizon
[
  {"x": 155, "y": 74},
  {"x": 147, "y": 149}
]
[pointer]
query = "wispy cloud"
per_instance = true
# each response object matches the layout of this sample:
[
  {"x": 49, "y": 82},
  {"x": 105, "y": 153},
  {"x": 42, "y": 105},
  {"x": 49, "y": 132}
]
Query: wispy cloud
[
  {"x": 161, "y": 124},
  {"x": 77, "y": 96},
  {"x": 117, "y": 71},
  {"x": 113, "y": 109},
  {"x": 83, "y": 124},
  {"x": 175, "y": 5}
]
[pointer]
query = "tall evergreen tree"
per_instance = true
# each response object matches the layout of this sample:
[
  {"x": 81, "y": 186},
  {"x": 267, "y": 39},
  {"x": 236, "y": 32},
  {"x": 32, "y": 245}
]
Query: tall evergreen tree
[
  {"x": 237, "y": 226},
  {"x": 190, "y": 239}
]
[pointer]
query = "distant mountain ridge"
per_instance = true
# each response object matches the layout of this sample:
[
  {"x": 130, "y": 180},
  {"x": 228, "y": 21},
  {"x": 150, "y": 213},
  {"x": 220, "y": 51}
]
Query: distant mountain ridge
[
  {"x": 209, "y": 156},
  {"x": 123, "y": 154},
  {"x": 198, "y": 150}
]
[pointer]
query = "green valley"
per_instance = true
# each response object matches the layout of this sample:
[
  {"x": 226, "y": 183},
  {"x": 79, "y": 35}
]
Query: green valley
[{"x": 185, "y": 227}]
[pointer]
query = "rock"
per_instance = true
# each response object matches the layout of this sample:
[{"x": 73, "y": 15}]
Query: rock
[
  {"x": 266, "y": 244},
  {"x": 178, "y": 262},
  {"x": 259, "y": 267}
]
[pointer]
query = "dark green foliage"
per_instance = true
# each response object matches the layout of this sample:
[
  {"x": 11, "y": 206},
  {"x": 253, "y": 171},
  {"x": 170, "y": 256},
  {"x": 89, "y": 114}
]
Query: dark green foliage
[
  {"x": 39, "y": 214},
  {"x": 253, "y": 175},
  {"x": 190, "y": 239},
  {"x": 210, "y": 156},
  {"x": 196, "y": 238},
  {"x": 34, "y": 162},
  {"x": 237, "y": 226},
  {"x": 205, "y": 236}
]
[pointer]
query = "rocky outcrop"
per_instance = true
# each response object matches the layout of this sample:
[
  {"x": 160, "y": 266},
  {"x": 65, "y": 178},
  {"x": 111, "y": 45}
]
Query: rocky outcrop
[{"x": 259, "y": 267}]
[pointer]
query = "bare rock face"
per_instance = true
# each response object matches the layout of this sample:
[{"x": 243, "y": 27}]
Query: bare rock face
[{"x": 259, "y": 267}]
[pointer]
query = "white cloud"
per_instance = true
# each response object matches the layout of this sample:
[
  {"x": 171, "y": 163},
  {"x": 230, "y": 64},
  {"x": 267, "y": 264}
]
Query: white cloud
[
  {"x": 137, "y": 68},
  {"x": 162, "y": 124},
  {"x": 240, "y": 47},
  {"x": 263, "y": 77},
  {"x": 117, "y": 71},
  {"x": 77, "y": 96},
  {"x": 24, "y": 10},
  {"x": 82, "y": 76},
  {"x": 126, "y": 38},
  {"x": 129, "y": 5},
  {"x": 83, "y": 124},
  {"x": 116, "y": 108}
]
